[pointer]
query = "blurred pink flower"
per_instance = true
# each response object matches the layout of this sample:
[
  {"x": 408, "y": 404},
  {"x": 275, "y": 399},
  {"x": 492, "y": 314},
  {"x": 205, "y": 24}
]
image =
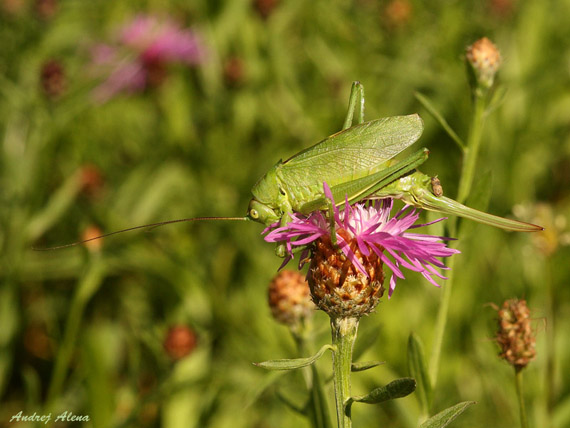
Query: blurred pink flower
[{"x": 145, "y": 47}]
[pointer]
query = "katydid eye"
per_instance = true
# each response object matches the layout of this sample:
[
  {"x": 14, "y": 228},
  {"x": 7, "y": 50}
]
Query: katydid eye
[{"x": 253, "y": 213}]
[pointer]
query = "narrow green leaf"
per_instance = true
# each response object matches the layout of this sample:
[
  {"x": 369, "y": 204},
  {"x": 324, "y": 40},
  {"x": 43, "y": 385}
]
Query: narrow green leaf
[
  {"x": 478, "y": 198},
  {"x": 418, "y": 370},
  {"x": 317, "y": 407},
  {"x": 396, "y": 389},
  {"x": 446, "y": 127},
  {"x": 443, "y": 418},
  {"x": 365, "y": 365},
  {"x": 289, "y": 403},
  {"x": 61, "y": 200},
  {"x": 366, "y": 339},
  {"x": 295, "y": 363}
]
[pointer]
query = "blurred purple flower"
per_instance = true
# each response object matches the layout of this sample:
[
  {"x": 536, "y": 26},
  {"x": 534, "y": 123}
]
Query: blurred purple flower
[
  {"x": 146, "y": 46},
  {"x": 370, "y": 225}
]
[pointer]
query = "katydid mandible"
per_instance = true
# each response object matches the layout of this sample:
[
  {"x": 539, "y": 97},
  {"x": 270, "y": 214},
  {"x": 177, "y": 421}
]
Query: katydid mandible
[{"x": 357, "y": 163}]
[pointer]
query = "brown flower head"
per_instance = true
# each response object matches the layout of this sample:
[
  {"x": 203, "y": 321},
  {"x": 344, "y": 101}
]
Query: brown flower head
[
  {"x": 515, "y": 335},
  {"x": 89, "y": 233},
  {"x": 52, "y": 78},
  {"x": 485, "y": 59},
  {"x": 289, "y": 298},
  {"x": 179, "y": 342},
  {"x": 338, "y": 287}
]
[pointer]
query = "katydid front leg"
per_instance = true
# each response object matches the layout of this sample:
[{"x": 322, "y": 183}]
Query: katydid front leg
[{"x": 355, "y": 105}]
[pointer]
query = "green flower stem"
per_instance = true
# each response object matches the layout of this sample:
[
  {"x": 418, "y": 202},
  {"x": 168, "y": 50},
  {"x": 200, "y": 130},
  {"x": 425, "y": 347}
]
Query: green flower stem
[
  {"x": 441, "y": 323},
  {"x": 519, "y": 385},
  {"x": 343, "y": 337},
  {"x": 550, "y": 342},
  {"x": 318, "y": 409},
  {"x": 470, "y": 154}
]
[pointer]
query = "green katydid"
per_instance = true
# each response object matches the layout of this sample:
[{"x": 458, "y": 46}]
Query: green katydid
[{"x": 357, "y": 163}]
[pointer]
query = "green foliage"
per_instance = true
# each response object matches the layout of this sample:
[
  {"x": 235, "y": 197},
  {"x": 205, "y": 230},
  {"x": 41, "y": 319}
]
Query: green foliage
[
  {"x": 445, "y": 417},
  {"x": 293, "y": 363},
  {"x": 396, "y": 389},
  {"x": 417, "y": 367},
  {"x": 93, "y": 322}
]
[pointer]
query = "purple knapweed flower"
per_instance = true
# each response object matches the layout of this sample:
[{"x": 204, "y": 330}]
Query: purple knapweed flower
[
  {"x": 364, "y": 230},
  {"x": 145, "y": 47}
]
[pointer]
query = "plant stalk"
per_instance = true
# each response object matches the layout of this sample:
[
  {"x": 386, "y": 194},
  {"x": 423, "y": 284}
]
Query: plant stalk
[
  {"x": 470, "y": 154},
  {"x": 519, "y": 386},
  {"x": 343, "y": 336},
  {"x": 318, "y": 409}
]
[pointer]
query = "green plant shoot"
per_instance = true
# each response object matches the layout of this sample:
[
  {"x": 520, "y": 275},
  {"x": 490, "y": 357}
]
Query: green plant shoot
[{"x": 357, "y": 163}]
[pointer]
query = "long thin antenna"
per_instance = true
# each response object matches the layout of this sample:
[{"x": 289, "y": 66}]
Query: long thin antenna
[{"x": 144, "y": 226}]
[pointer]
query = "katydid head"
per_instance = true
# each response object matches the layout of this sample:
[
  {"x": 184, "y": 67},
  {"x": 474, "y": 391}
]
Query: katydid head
[{"x": 262, "y": 213}]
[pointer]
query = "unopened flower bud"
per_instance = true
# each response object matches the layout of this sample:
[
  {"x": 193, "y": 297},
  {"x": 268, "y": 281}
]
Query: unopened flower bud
[
  {"x": 485, "y": 59},
  {"x": 234, "y": 71},
  {"x": 337, "y": 286},
  {"x": 52, "y": 78},
  {"x": 515, "y": 335},
  {"x": 265, "y": 7},
  {"x": 179, "y": 342},
  {"x": 91, "y": 232},
  {"x": 92, "y": 181},
  {"x": 289, "y": 298},
  {"x": 397, "y": 13},
  {"x": 46, "y": 9}
]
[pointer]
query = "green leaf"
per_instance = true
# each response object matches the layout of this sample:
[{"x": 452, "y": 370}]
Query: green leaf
[
  {"x": 441, "y": 120},
  {"x": 365, "y": 365},
  {"x": 317, "y": 407},
  {"x": 289, "y": 403},
  {"x": 366, "y": 339},
  {"x": 396, "y": 389},
  {"x": 443, "y": 418},
  {"x": 478, "y": 199},
  {"x": 418, "y": 370},
  {"x": 295, "y": 363}
]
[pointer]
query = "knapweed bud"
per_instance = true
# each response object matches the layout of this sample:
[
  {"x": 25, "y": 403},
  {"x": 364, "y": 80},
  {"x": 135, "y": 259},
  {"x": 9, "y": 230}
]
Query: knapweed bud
[
  {"x": 397, "y": 14},
  {"x": 289, "y": 298},
  {"x": 91, "y": 232},
  {"x": 46, "y": 9},
  {"x": 92, "y": 181},
  {"x": 180, "y": 341},
  {"x": 337, "y": 286},
  {"x": 234, "y": 72},
  {"x": 52, "y": 78},
  {"x": 265, "y": 7},
  {"x": 485, "y": 59},
  {"x": 515, "y": 335}
]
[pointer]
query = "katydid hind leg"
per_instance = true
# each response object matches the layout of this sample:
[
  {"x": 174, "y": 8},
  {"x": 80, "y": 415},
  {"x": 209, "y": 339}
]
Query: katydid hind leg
[
  {"x": 363, "y": 187},
  {"x": 355, "y": 105},
  {"x": 418, "y": 190}
]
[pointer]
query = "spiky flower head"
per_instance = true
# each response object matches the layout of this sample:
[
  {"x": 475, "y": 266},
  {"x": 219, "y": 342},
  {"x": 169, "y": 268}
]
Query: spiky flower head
[
  {"x": 347, "y": 279},
  {"x": 290, "y": 300},
  {"x": 485, "y": 59},
  {"x": 515, "y": 335}
]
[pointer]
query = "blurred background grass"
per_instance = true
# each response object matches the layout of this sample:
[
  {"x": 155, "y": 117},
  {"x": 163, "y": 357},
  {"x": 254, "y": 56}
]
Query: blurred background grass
[{"x": 83, "y": 329}]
